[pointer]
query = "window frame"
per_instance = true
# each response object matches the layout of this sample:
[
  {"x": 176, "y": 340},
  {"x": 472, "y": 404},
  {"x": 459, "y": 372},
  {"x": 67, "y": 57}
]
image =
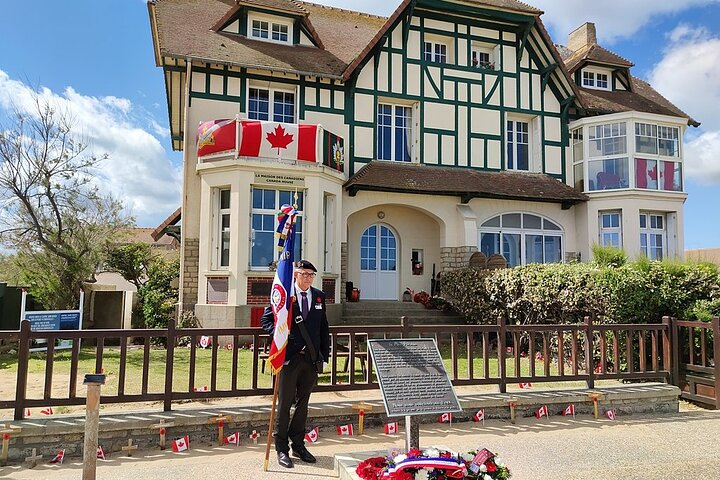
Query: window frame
[
  {"x": 393, "y": 126},
  {"x": 511, "y": 142},
  {"x": 271, "y": 24},
  {"x": 435, "y": 56},
  {"x": 549, "y": 229},
  {"x": 272, "y": 104},
  {"x": 650, "y": 232},
  {"x": 611, "y": 229},
  {"x": 590, "y": 78},
  {"x": 222, "y": 231},
  {"x": 272, "y": 212}
]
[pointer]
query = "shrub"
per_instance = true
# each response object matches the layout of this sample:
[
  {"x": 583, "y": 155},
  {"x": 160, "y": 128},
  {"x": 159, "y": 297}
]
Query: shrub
[{"x": 608, "y": 256}]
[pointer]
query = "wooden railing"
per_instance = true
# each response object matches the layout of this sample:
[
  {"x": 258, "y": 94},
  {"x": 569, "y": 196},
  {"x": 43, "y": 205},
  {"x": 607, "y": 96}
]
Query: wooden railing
[
  {"x": 499, "y": 355},
  {"x": 696, "y": 360}
]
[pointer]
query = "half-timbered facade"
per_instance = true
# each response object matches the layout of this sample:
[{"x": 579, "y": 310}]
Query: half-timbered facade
[{"x": 466, "y": 129}]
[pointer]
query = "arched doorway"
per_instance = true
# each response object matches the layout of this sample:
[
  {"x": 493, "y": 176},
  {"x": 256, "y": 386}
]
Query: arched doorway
[{"x": 378, "y": 263}]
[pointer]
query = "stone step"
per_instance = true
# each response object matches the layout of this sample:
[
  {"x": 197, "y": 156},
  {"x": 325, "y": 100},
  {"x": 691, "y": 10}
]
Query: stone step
[
  {"x": 373, "y": 319},
  {"x": 388, "y": 305}
]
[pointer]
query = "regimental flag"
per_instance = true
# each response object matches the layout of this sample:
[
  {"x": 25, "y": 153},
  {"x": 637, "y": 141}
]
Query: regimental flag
[
  {"x": 525, "y": 385},
  {"x": 542, "y": 411},
  {"x": 479, "y": 416},
  {"x": 280, "y": 299},
  {"x": 205, "y": 341},
  {"x": 445, "y": 418},
  {"x": 216, "y": 136},
  {"x": 313, "y": 435},
  {"x": 391, "y": 428},
  {"x": 610, "y": 414},
  {"x": 345, "y": 429},
  {"x": 59, "y": 457},
  {"x": 333, "y": 151},
  {"x": 233, "y": 439},
  {"x": 181, "y": 444},
  {"x": 278, "y": 140},
  {"x": 569, "y": 410},
  {"x": 100, "y": 453},
  {"x": 47, "y": 411}
]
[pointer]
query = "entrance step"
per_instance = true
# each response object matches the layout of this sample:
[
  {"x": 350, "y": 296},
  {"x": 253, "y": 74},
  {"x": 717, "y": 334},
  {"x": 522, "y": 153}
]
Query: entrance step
[{"x": 383, "y": 312}]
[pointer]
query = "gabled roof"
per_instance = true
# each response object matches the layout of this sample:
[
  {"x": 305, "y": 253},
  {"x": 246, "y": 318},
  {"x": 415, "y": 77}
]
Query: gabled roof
[
  {"x": 400, "y": 177},
  {"x": 595, "y": 53},
  {"x": 171, "y": 220}
]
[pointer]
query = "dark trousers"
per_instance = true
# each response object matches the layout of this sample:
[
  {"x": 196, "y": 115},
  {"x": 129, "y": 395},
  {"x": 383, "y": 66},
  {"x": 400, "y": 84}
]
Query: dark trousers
[{"x": 296, "y": 382}]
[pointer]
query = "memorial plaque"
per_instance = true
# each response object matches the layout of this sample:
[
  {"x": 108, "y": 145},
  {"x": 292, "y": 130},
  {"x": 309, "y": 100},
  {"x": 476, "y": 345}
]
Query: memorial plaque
[{"x": 412, "y": 377}]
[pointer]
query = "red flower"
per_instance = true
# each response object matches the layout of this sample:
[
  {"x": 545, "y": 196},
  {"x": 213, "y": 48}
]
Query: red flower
[
  {"x": 490, "y": 465},
  {"x": 318, "y": 300},
  {"x": 403, "y": 475},
  {"x": 372, "y": 468},
  {"x": 414, "y": 453},
  {"x": 445, "y": 455}
]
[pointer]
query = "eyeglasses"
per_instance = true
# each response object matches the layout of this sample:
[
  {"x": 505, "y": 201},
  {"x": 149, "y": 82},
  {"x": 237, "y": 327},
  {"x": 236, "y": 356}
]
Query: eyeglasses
[{"x": 307, "y": 274}]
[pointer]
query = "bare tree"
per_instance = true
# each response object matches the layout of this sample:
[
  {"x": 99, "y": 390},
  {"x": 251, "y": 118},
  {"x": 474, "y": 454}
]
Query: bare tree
[{"x": 53, "y": 215}]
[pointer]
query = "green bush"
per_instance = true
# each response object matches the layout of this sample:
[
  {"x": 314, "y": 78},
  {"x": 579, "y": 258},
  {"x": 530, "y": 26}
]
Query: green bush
[{"x": 604, "y": 256}]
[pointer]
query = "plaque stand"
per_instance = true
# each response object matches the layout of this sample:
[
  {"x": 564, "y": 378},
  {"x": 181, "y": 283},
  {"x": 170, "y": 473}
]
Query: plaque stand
[{"x": 412, "y": 433}]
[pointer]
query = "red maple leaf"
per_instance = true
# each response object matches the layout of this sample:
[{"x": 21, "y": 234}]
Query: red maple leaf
[
  {"x": 652, "y": 173},
  {"x": 279, "y": 139}
]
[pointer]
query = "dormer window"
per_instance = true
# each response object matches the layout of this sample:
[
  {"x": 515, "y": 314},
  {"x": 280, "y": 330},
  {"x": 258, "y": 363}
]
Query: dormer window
[
  {"x": 269, "y": 29},
  {"x": 595, "y": 79}
]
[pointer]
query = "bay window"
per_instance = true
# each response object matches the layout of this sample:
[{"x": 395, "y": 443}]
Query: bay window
[{"x": 265, "y": 205}]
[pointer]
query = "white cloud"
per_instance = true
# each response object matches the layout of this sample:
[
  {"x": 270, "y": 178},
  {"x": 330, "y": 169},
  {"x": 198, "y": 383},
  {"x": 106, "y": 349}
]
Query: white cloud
[
  {"x": 376, "y": 7},
  {"x": 138, "y": 170},
  {"x": 689, "y": 76}
]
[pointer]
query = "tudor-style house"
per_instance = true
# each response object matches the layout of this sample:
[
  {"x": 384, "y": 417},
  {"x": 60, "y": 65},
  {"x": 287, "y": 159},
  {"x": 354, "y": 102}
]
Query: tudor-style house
[{"x": 465, "y": 129}]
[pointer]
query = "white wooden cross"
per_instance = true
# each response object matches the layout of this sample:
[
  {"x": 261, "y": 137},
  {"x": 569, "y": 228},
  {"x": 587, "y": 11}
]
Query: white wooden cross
[
  {"x": 162, "y": 426},
  {"x": 129, "y": 448},
  {"x": 33, "y": 459}
]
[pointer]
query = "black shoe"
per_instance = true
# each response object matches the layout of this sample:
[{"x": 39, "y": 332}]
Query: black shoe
[
  {"x": 284, "y": 460},
  {"x": 303, "y": 454}
]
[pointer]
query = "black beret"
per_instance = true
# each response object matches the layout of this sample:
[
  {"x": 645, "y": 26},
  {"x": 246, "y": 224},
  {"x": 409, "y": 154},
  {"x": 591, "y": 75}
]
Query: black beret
[{"x": 304, "y": 264}]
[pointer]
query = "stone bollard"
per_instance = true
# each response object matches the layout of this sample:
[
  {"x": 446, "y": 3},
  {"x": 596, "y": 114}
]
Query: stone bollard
[{"x": 92, "y": 419}]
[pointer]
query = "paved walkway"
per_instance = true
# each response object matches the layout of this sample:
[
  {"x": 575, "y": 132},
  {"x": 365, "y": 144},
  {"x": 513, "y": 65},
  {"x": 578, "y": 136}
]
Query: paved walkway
[{"x": 681, "y": 445}]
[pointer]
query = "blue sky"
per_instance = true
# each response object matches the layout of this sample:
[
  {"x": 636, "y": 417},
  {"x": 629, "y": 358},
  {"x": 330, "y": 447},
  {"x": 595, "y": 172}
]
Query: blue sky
[{"x": 96, "y": 57}]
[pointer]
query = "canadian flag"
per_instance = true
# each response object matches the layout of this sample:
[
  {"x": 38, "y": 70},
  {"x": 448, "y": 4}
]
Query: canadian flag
[
  {"x": 27, "y": 412},
  {"x": 201, "y": 389},
  {"x": 391, "y": 428},
  {"x": 234, "y": 438},
  {"x": 100, "y": 453},
  {"x": 345, "y": 429},
  {"x": 526, "y": 385},
  {"x": 181, "y": 444},
  {"x": 445, "y": 418},
  {"x": 59, "y": 457},
  {"x": 646, "y": 174},
  {"x": 205, "y": 341},
  {"x": 542, "y": 411},
  {"x": 312, "y": 435},
  {"x": 273, "y": 140},
  {"x": 610, "y": 414},
  {"x": 47, "y": 411},
  {"x": 569, "y": 410},
  {"x": 538, "y": 356},
  {"x": 479, "y": 416}
]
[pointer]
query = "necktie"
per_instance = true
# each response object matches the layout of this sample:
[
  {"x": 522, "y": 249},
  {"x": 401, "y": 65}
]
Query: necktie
[{"x": 304, "y": 305}]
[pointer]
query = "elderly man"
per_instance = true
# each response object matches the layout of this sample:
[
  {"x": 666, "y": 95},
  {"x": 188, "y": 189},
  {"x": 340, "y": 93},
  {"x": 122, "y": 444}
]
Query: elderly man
[{"x": 299, "y": 374}]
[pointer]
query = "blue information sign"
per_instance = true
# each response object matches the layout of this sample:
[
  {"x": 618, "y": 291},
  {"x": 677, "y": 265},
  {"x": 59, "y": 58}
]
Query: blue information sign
[{"x": 53, "y": 320}]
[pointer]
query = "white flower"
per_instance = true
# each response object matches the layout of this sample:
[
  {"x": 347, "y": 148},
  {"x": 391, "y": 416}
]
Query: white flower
[
  {"x": 468, "y": 457},
  {"x": 432, "y": 452},
  {"x": 499, "y": 462},
  {"x": 483, "y": 468},
  {"x": 421, "y": 474},
  {"x": 399, "y": 458},
  {"x": 487, "y": 477}
]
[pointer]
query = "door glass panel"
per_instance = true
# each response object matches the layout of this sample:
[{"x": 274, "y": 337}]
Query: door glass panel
[
  {"x": 388, "y": 250},
  {"x": 368, "y": 250},
  {"x": 511, "y": 248}
]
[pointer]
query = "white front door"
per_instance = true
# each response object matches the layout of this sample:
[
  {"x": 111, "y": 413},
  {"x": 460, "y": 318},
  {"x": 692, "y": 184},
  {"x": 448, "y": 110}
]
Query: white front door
[{"x": 378, "y": 264}]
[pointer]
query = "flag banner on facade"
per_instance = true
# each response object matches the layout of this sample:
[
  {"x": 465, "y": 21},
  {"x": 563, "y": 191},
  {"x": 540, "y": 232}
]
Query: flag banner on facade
[
  {"x": 216, "y": 136},
  {"x": 445, "y": 418},
  {"x": 542, "y": 411},
  {"x": 181, "y": 444},
  {"x": 479, "y": 416},
  {"x": 525, "y": 385},
  {"x": 333, "y": 150},
  {"x": 280, "y": 299},
  {"x": 59, "y": 457},
  {"x": 313, "y": 435},
  {"x": 569, "y": 410},
  {"x": 610, "y": 414},
  {"x": 100, "y": 453},
  {"x": 345, "y": 429},
  {"x": 289, "y": 141},
  {"x": 233, "y": 439},
  {"x": 391, "y": 428},
  {"x": 47, "y": 411}
]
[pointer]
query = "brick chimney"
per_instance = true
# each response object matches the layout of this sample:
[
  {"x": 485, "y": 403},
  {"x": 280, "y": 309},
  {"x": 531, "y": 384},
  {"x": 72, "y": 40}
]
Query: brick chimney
[{"x": 582, "y": 37}]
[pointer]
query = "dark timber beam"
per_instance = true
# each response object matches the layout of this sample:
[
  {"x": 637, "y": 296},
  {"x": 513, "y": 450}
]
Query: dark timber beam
[
  {"x": 545, "y": 74},
  {"x": 524, "y": 37},
  {"x": 406, "y": 29}
]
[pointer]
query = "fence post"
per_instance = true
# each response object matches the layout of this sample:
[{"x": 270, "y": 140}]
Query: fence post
[
  {"x": 22, "y": 372},
  {"x": 502, "y": 333},
  {"x": 589, "y": 350},
  {"x": 170, "y": 356},
  {"x": 675, "y": 347},
  {"x": 405, "y": 324},
  {"x": 667, "y": 349},
  {"x": 716, "y": 358}
]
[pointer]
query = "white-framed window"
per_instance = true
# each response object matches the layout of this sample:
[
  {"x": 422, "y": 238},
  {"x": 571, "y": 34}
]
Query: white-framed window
[
  {"x": 221, "y": 235},
  {"x": 578, "y": 155},
  {"x": 271, "y": 104},
  {"x": 608, "y": 164},
  {"x": 435, "y": 52},
  {"x": 481, "y": 57},
  {"x": 657, "y": 139},
  {"x": 265, "y": 205},
  {"x": 653, "y": 236},
  {"x": 610, "y": 229},
  {"x": 518, "y": 144},
  {"x": 269, "y": 29},
  {"x": 595, "y": 79},
  {"x": 394, "y": 132},
  {"x": 522, "y": 238}
]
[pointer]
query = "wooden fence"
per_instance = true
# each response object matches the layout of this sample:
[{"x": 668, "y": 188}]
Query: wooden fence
[{"x": 696, "y": 360}]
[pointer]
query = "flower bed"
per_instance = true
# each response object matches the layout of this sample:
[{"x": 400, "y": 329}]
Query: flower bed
[{"x": 434, "y": 464}]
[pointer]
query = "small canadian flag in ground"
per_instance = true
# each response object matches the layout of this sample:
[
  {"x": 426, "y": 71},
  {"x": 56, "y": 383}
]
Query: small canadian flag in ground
[
  {"x": 610, "y": 414},
  {"x": 313, "y": 435},
  {"x": 445, "y": 418},
  {"x": 201, "y": 389},
  {"x": 542, "y": 411},
  {"x": 47, "y": 411},
  {"x": 59, "y": 457},
  {"x": 181, "y": 444},
  {"x": 27, "y": 412},
  {"x": 569, "y": 410},
  {"x": 391, "y": 428},
  {"x": 345, "y": 429},
  {"x": 479, "y": 416},
  {"x": 233, "y": 439},
  {"x": 526, "y": 385},
  {"x": 100, "y": 453}
]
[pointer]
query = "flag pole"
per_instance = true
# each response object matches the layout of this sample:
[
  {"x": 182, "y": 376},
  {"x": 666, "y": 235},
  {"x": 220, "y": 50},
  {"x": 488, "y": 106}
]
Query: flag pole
[{"x": 271, "y": 422}]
